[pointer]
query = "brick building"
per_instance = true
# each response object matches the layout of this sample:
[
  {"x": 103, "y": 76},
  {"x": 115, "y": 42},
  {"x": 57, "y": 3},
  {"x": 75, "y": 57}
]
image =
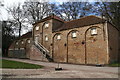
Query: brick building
[
  {"x": 88, "y": 40},
  {"x": 21, "y": 46}
]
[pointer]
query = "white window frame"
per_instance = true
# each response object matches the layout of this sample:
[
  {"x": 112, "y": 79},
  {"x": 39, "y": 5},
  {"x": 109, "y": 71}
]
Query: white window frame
[
  {"x": 16, "y": 43},
  {"x": 22, "y": 48},
  {"x": 28, "y": 41},
  {"x": 22, "y": 42},
  {"x": 74, "y": 34},
  {"x": 93, "y": 31},
  {"x": 59, "y": 37},
  {"x": 46, "y": 38},
  {"x": 46, "y": 25},
  {"x": 37, "y": 28}
]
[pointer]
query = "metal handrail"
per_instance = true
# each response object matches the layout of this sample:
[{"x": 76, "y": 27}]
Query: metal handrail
[
  {"x": 43, "y": 48},
  {"x": 39, "y": 49}
]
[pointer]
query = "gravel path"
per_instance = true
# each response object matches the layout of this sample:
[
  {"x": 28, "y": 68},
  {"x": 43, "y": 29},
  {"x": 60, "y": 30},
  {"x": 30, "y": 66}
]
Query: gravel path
[{"x": 69, "y": 71}]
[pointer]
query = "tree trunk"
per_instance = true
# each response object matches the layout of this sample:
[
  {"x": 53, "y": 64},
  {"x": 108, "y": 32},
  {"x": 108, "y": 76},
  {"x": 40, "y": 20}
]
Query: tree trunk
[{"x": 20, "y": 26}]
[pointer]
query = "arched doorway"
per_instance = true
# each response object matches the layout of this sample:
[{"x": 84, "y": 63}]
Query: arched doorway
[
  {"x": 75, "y": 48},
  {"x": 94, "y": 48},
  {"x": 59, "y": 48},
  {"x": 28, "y": 47}
]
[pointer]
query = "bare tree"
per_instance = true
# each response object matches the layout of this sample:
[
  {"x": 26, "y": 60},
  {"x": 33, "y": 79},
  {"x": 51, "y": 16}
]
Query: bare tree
[
  {"x": 17, "y": 17},
  {"x": 72, "y": 10},
  {"x": 1, "y": 4},
  {"x": 110, "y": 10},
  {"x": 7, "y": 36},
  {"x": 36, "y": 10}
]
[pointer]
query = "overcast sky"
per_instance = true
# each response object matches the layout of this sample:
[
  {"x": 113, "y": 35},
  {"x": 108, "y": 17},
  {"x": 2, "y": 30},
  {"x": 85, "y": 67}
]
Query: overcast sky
[{"x": 7, "y": 3}]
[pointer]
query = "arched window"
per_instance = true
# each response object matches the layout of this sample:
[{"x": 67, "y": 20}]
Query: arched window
[
  {"x": 22, "y": 42},
  {"x": 46, "y": 38},
  {"x": 16, "y": 43},
  {"x": 74, "y": 34},
  {"x": 37, "y": 28},
  {"x": 58, "y": 37},
  {"x": 46, "y": 25},
  {"x": 93, "y": 31},
  {"x": 28, "y": 41}
]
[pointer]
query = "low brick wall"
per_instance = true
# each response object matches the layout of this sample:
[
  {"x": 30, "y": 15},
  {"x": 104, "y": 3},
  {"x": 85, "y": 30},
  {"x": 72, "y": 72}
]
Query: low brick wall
[
  {"x": 11, "y": 53},
  {"x": 17, "y": 54},
  {"x": 35, "y": 54},
  {"x": 22, "y": 54}
]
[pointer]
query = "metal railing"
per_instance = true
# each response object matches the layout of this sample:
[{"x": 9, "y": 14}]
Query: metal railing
[{"x": 44, "y": 51}]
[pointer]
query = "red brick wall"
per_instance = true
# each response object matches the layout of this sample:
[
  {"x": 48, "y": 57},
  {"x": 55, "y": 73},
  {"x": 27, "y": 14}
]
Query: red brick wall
[
  {"x": 35, "y": 54},
  {"x": 92, "y": 51},
  {"x": 59, "y": 49}
]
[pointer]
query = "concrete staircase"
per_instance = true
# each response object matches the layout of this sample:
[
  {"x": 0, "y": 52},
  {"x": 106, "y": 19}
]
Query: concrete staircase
[{"x": 44, "y": 51}]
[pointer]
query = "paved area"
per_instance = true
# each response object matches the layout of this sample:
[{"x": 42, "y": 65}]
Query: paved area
[{"x": 69, "y": 71}]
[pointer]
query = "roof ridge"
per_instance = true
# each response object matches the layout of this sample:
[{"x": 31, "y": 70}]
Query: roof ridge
[
  {"x": 92, "y": 19},
  {"x": 55, "y": 17},
  {"x": 26, "y": 35},
  {"x": 50, "y": 17},
  {"x": 83, "y": 18}
]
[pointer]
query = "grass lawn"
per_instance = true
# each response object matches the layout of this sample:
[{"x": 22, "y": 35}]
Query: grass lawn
[
  {"x": 115, "y": 65},
  {"x": 18, "y": 65}
]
